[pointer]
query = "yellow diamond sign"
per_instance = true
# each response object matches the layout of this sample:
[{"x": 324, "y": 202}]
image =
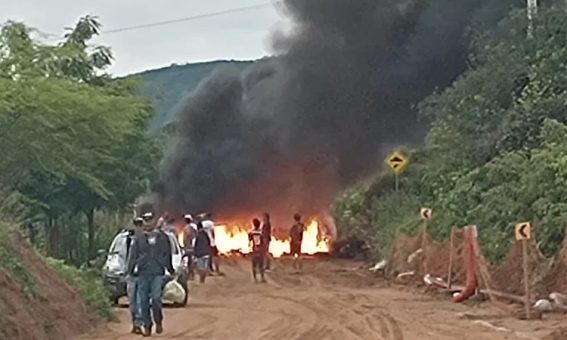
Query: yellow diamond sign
[{"x": 397, "y": 162}]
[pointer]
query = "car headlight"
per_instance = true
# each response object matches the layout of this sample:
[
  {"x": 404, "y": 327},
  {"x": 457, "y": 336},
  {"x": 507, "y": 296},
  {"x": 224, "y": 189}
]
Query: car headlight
[
  {"x": 114, "y": 269},
  {"x": 116, "y": 273}
]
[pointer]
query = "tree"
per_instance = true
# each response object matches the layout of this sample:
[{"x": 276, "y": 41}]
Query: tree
[
  {"x": 74, "y": 138},
  {"x": 495, "y": 153}
]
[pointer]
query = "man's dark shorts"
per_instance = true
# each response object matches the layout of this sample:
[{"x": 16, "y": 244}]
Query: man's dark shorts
[
  {"x": 295, "y": 248},
  {"x": 258, "y": 260}
]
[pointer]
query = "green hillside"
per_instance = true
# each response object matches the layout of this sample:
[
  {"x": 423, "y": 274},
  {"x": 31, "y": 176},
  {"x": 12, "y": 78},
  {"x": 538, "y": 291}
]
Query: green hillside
[{"x": 167, "y": 86}]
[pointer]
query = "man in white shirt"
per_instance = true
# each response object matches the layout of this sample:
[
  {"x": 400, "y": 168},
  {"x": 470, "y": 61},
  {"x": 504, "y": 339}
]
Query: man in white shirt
[
  {"x": 209, "y": 227},
  {"x": 190, "y": 234}
]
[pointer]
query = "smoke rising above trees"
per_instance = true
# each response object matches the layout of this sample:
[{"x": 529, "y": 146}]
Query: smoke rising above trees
[{"x": 297, "y": 128}]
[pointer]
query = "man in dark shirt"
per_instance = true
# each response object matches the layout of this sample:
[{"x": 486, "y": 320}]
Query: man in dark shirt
[
  {"x": 132, "y": 278},
  {"x": 150, "y": 253},
  {"x": 296, "y": 237},
  {"x": 267, "y": 236},
  {"x": 256, "y": 238},
  {"x": 202, "y": 251}
]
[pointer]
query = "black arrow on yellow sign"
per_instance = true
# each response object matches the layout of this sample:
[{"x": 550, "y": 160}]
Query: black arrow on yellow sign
[
  {"x": 522, "y": 230},
  {"x": 396, "y": 161}
]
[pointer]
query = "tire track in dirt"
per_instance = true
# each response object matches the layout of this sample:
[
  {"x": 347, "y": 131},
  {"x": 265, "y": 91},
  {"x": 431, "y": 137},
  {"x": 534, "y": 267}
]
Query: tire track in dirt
[
  {"x": 328, "y": 301},
  {"x": 331, "y": 304}
]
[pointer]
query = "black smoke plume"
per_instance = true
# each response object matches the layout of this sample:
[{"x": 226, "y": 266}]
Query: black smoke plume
[{"x": 297, "y": 128}]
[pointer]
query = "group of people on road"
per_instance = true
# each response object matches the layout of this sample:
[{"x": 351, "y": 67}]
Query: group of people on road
[
  {"x": 150, "y": 256},
  {"x": 260, "y": 237},
  {"x": 200, "y": 246}
]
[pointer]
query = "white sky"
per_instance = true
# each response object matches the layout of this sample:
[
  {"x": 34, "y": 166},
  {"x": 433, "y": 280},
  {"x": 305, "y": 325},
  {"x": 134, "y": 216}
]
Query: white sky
[{"x": 241, "y": 35}]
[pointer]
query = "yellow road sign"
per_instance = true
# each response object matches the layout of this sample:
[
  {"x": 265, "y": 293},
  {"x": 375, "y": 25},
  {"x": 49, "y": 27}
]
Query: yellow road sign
[
  {"x": 523, "y": 231},
  {"x": 397, "y": 161}
]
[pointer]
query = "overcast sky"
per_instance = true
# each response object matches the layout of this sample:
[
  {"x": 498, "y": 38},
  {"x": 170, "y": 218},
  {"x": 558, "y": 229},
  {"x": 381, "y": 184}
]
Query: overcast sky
[{"x": 241, "y": 35}]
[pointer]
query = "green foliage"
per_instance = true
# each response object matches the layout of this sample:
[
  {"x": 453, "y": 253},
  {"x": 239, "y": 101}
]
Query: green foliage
[
  {"x": 496, "y": 152},
  {"x": 22, "y": 275},
  {"x": 90, "y": 287},
  {"x": 377, "y": 218},
  {"x": 74, "y": 141}
]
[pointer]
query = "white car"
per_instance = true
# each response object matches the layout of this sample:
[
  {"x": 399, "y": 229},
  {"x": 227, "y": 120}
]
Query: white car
[{"x": 114, "y": 269}]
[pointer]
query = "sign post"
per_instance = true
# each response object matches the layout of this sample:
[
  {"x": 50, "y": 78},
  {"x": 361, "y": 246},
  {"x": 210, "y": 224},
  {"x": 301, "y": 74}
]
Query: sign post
[
  {"x": 451, "y": 255},
  {"x": 397, "y": 162},
  {"x": 396, "y": 182},
  {"x": 425, "y": 214},
  {"x": 532, "y": 11},
  {"x": 523, "y": 234}
]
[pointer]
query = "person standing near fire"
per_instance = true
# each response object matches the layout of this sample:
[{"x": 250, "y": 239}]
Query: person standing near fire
[
  {"x": 259, "y": 250},
  {"x": 209, "y": 227},
  {"x": 296, "y": 237},
  {"x": 267, "y": 238},
  {"x": 189, "y": 236},
  {"x": 202, "y": 251}
]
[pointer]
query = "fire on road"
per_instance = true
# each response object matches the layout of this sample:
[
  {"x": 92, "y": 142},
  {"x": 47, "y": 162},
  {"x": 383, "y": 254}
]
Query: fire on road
[{"x": 231, "y": 237}]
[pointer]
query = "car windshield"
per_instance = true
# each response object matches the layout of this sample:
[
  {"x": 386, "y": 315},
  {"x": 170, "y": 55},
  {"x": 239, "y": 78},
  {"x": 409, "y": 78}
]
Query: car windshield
[{"x": 119, "y": 246}]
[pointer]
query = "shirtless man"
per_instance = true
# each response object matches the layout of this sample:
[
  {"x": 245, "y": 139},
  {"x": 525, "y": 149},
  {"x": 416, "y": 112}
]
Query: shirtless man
[
  {"x": 296, "y": 237},
  {"x": 267, "y": 236}
]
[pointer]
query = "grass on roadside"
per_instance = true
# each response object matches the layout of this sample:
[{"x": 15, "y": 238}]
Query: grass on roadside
[
  {"x": 87, "y": 285},
  {"x": 22, "y": 275}
]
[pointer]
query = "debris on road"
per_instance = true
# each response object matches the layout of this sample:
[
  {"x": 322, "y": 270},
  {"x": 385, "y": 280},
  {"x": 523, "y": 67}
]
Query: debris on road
[
  {"x": 543, "y": 305},
  {"x": 413, "y": 255},
  {"x": 378, "y": 266}
]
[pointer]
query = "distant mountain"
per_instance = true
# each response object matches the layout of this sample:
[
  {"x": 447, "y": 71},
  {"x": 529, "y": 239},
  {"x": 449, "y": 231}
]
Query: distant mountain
[{"x": 168, "y": 85}]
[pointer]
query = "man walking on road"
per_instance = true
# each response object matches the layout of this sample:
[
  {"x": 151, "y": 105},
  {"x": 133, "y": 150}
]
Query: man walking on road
[
  {"x": 259, "y": 250},
  {"x": 296, "y": 236},
  {"x": 132, "y": 279},
  {"x": 151, "y": 254},
  {"x": 267, "y": 238},
  {"x": 202, "y": 252},
  {"x": 190, "y": 234},
  {"x": 209, "y": 227}
]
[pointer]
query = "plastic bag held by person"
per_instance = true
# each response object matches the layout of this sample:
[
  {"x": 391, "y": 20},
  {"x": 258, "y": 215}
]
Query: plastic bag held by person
[{"x": 174, "y": 292}]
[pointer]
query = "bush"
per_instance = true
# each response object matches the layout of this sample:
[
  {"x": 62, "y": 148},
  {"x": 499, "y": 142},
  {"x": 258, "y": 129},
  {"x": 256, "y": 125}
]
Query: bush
[
  {"x": 87, "y": 285},
  {"x": 376, "y": 220}
]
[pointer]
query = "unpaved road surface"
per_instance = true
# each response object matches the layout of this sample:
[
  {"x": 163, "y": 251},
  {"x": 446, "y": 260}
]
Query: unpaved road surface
[{"x": 329, "y": 300}]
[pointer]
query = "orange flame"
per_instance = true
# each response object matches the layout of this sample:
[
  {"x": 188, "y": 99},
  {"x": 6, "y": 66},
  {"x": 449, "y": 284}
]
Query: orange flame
[{"x": 232, "y": 237}]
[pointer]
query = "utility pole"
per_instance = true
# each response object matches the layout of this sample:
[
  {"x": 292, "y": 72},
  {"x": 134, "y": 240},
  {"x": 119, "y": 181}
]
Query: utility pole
[{"x": 532, "y": 11}]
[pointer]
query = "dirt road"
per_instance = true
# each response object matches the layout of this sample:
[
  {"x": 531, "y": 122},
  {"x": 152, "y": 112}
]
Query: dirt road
[{"x": 330, "y": 300}]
